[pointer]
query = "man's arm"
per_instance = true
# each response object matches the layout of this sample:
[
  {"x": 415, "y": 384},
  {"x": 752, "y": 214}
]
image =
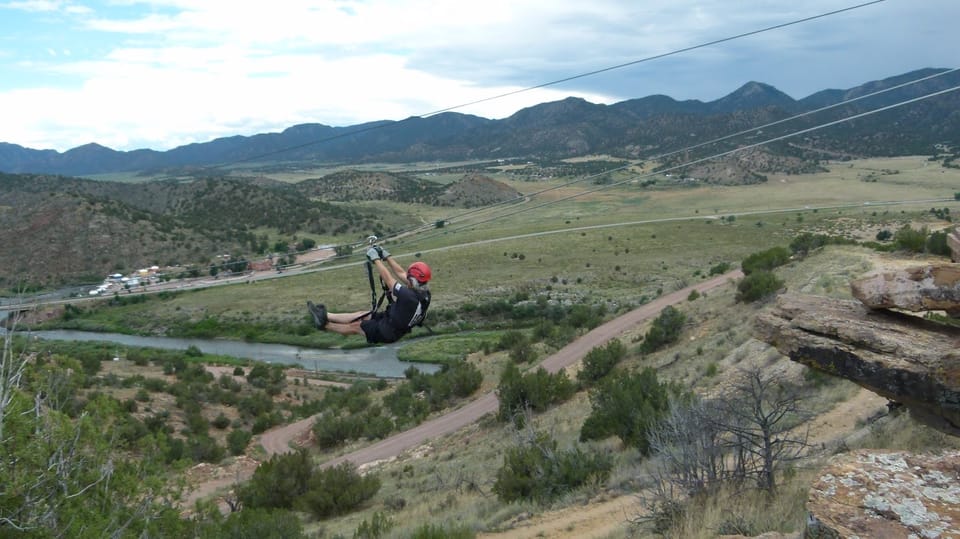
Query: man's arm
[
  {"x": 388, "y": 279},
  {"x": 396, "y": 267}
]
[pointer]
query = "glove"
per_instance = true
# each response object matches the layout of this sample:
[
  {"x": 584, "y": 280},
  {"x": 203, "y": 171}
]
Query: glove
[
  {"x": 383, "y": 253},
  {"x": 373, "y": 253}
]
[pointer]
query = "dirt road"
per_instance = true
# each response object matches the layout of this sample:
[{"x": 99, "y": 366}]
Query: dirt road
[{"x": 278, "y": 441}]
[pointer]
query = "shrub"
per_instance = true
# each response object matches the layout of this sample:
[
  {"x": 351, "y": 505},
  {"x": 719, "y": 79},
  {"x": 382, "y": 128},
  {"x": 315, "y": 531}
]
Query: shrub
[
  {"x": 664, "y": 330},
  {"x": 221, "y": 422},
  {"x": 757, "y": 286},
  {"x": 538, "y": 471},
  {"x": 237, "y": 441},
  {"x": 254, "y": 522},
  {"x": 536, "y": 391},
  {"x": 336, "y": 491},
  {"x": 720, "y": 268},
  {"x": 765, "y": 260},
  {"x": 937, "y": 244},
  {"x": 806, "y": 242},
  {"x": 278, "y": 482},
  {"x": 378, "y": 525},
  {"x": 908, "y": 239},
  {"x": 601, "y": 360},
  {"x": 434, "y": 531},
  {"x": 628, "y": 406}
]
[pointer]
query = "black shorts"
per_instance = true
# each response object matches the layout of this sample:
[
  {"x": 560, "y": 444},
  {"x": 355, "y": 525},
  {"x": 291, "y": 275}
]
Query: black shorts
[{"x": 378, "y": 329}]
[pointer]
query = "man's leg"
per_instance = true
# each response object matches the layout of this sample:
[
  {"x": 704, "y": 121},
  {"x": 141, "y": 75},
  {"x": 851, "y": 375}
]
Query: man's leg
[
  {"x": 343, "y": 323},
  {"x": 346, "y": 318},
  {"x": 350, "y": 328}
]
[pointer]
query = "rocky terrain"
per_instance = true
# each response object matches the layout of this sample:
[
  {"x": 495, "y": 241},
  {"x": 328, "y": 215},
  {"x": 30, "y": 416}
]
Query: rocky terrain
[{"x": 892, "y": 342}]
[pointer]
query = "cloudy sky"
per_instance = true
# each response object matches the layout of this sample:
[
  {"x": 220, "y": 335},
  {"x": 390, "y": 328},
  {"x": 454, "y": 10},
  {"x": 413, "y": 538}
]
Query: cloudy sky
[{"x": 157, "y": 74}]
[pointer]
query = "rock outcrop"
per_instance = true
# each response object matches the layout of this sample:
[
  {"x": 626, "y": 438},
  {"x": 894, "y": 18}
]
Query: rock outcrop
[
  {"x": 924, "y": 288},
  {"x": 887, "y": 494},
  {"x": 905, "y": 358},
  {"x": 953, "y": 241}
]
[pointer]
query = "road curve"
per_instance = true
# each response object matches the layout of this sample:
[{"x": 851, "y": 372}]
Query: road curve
[{"x": 488, "y": 403}]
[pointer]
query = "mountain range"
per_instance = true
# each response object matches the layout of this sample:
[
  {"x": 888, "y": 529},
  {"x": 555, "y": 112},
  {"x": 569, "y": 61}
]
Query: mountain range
[{"x": 633, "y": 129}]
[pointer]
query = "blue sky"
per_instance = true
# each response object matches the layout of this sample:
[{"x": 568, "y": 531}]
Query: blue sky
[{"x": 157, "y": 74}]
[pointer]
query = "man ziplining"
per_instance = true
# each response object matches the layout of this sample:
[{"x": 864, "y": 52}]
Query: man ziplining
[{"x": 408, "y": 298}]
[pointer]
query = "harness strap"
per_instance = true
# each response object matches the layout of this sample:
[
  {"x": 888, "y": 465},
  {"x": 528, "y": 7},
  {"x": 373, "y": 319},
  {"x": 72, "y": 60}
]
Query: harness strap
[{"x": 374, "y": 301}]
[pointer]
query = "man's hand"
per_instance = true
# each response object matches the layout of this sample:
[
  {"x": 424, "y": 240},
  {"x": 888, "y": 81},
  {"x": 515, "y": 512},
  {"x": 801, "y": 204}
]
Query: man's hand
[
  {"x": 383, "y": 253},
  {"x": 373, "y": 253}
]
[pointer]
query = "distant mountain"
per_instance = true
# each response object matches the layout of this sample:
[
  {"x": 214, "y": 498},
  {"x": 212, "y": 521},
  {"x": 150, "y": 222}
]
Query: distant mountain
[{"x": 636, "y": 128}]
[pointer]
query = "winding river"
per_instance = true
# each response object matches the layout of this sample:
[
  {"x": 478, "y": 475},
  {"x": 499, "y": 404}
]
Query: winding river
[{"x": 378, "y": 361}]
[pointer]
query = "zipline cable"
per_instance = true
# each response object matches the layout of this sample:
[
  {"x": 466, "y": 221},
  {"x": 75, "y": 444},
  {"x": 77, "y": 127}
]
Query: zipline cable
[
  {"x": 679, "y": 151},
  {"x": 701, "y": 160},
  {"x": 550, "y": 83}
]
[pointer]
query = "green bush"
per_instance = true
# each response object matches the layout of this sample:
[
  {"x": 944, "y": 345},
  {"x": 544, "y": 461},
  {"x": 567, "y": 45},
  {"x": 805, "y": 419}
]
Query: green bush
[
  {"x": 278, "y": 482},
  {"x": 601, "y": 360},
  {"x": 937, "y": 244},
  {"x": 806, "y": 242},
  {"x": 251, "y": 523},
  {"x": 720, "y": 268},
  {"x": 434, "y": 531},
  {"x": 664, "y": 330},
  {"x": 628, "y": 405},
  {"x": 536, "y": 391},
  {"x": 908, "y": 239},
  {"x": 237, "y": 441},
  {"x": 538, "y": 471},
  {"x": 765, "y": 260},
  {"x": 757, "y": 286},
  {"x": 336, "y": 491}
]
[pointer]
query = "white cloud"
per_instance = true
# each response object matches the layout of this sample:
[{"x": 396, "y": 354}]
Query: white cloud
[
  {"x": 184, "y": 71},
  {"x": 33, "y": 5}
]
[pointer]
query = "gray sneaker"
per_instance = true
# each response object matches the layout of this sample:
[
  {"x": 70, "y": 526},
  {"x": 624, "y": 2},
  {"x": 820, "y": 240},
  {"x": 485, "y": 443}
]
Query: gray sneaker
[{"x": 319, "y": 313}]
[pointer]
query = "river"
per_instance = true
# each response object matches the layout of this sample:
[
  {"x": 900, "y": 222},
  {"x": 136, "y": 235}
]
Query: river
[{"x": 378, "y": 361}]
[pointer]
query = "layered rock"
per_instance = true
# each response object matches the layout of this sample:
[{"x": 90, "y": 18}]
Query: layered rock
[
  {"x": 924, "y": 288},
  {"x": 887, "y": 494},
  {"x": 905, "y": 358}
]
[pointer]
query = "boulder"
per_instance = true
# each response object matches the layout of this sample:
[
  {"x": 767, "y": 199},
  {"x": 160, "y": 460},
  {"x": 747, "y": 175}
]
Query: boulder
[
  {"x": 953, "y": 241},
  {"x": 871, "y": 493},
  {"x": 924, "y": 288},
  {"x": 905, "y": 358}
]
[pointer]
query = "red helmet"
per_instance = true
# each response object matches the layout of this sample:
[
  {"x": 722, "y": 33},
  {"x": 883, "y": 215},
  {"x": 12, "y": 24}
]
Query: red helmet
[{"x": 419, "y": 271}]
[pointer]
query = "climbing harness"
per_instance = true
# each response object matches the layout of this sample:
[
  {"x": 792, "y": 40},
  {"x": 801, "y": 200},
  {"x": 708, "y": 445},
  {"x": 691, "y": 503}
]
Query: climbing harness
[{"x": 376, "y": 302}]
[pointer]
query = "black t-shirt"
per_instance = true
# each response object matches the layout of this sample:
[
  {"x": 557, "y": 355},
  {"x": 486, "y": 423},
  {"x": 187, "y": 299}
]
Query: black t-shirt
[{"x": 408, "y": 308}]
